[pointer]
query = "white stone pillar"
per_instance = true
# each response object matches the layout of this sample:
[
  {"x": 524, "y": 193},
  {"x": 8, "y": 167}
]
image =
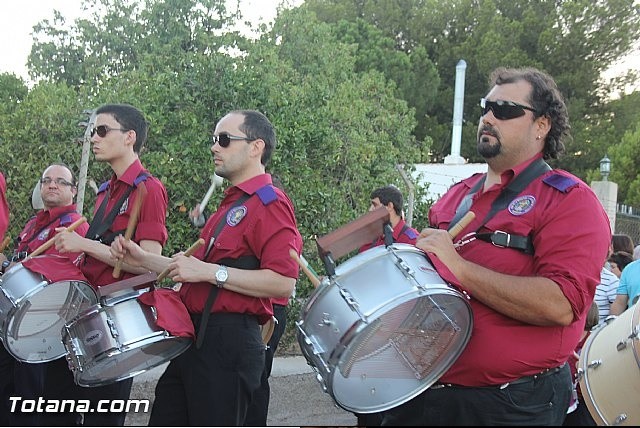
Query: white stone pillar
[{"x": 607, "y": 193}]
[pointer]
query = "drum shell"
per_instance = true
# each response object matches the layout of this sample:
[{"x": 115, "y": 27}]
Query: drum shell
[
  {"x": 20, "y": 288},
  {"x": 375, "y": 286},
  {"x": 609, "y": 370},
  {"x": 112, "y": 342}
]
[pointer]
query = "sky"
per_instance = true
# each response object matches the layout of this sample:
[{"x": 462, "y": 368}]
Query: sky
[{"x": 17, "y": 18}]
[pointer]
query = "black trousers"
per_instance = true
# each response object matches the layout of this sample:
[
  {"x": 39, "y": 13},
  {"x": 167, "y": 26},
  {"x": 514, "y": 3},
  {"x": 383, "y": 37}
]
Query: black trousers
[
  {"x": 539, "y": 402},
  {"x": 213, "y": 385},
  {"x": 259, "y": 407}
]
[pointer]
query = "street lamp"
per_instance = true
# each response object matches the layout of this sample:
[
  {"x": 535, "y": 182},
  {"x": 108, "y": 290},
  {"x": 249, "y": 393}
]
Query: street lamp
[{"x": 605, "y": 167}]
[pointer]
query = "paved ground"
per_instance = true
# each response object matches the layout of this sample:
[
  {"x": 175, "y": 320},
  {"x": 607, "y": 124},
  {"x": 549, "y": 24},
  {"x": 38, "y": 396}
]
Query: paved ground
[{"x": 297, "y": 398}]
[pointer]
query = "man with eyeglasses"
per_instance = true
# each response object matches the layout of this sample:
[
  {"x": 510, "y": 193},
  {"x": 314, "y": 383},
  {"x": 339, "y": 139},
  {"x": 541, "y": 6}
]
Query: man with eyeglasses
[
  {"x": 530, "y": 265},
  {"x": 229, "y": 283},
  {"x": 118, "y": 137},
  {"x": 58, "y": 190}
]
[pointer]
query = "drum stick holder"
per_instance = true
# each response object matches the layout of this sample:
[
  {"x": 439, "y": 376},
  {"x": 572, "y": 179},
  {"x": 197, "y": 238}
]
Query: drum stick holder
[{"x": 351, "y": 236}]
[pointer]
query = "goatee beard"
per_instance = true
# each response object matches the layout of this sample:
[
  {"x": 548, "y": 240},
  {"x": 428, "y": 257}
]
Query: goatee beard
[{"x": 486, "y": 149}]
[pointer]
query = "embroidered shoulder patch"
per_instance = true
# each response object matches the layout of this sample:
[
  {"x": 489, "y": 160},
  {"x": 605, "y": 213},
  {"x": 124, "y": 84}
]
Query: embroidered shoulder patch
[
  {"x": 235, "y": 215},
  {"x": 522, "y": 205}
]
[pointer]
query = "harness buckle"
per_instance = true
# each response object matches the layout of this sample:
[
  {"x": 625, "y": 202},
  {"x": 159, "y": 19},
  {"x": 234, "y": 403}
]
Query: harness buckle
[{"x": 501, "y": 239}]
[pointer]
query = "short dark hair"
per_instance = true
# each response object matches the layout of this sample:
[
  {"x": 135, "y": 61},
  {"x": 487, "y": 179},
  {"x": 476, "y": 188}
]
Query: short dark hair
[
  {"x": 546, "y": 99},
  {"x": 388, "y": 194},
  {"x": 130, "y": 118},
  {"x": 621, "y": 259},
  {"x": 257, "y": 126}
]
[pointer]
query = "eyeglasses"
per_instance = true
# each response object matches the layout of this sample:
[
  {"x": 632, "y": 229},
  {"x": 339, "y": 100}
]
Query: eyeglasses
[
  {"x": 103, "y": 129},
  {"x": 58, "y": 181},
  {"x": 504, "y": 110},
  {"x": 225, "y": 139}
]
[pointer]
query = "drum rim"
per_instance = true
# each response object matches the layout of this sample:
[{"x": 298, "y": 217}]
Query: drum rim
[
  {"x": 6, "y": 322},
  {"x": 181, "y": 345}
]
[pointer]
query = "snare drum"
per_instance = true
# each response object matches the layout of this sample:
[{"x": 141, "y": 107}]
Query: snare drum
[
  {"x": 608, "y": 370},
  {"x": 33, "y": 309},
  {"x": 119, "y": 338},
  {"x": 383, "y": 329}
]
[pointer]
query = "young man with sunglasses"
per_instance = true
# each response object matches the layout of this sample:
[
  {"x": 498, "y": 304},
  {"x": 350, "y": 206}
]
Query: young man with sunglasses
[
  {"x": 118, "y": 137},
  {"x": 57, "y": 190},
  {"x": 229, "y": 283},
  {"x": 530, "y": 265}
]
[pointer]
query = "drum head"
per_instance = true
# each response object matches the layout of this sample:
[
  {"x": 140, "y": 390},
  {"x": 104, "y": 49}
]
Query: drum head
[
  {"x": 384, "y": 329},
  {"x": 132, "y": 361},
  {"x": 401, "y": 353},
  {"x": 33, "y": 331}
]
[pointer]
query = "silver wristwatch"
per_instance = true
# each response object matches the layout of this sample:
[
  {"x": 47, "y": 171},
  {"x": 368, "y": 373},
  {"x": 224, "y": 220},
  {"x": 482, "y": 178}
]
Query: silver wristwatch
[{"x": 222, "y": 274}]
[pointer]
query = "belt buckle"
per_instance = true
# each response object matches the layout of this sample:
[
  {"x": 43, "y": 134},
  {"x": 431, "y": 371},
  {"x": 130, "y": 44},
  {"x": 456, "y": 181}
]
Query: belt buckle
[{"x": 505, "y": 239}]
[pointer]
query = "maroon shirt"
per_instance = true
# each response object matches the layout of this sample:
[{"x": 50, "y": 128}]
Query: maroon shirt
[
  {"x": 4, "y": 208},
  {"x": 264, "y": 230},
  {"x": 400, "y": 234},
  {"x": 151, "y": 220},
  {"x": 42, "y": 227},
  {"x": 570, "y": 233}
]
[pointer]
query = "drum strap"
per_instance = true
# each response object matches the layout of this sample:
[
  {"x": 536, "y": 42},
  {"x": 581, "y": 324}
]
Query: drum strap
[
  {"x": 101, "y": 223},
  {"x": 508, "y": 194},
  {"x": 22, "y": 244},
  {"x": 211, "y": 298}
]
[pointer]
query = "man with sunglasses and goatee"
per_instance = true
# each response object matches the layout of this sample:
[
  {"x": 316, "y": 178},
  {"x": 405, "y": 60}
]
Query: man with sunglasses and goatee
[
  {"x": 529, "y": 263},
  {"x": 229, "y": 283},
  {"x": 118, "y": 137}
]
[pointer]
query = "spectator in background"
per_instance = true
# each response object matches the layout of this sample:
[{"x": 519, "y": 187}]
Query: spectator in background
[
  {"x": 618, "y": 261},
  {"x": 622, "y": 242},
  {"x": 606, "y": 291},
  {"x": 628, "y": 290},
  {"x": 636, "y": 252}
]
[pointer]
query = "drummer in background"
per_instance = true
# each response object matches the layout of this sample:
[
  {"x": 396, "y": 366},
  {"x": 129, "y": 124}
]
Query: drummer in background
[
  {"x": 212, "y": 382},
  {"x": 529, "y": 294},
  {"x": 118, "y": 137},
  {"x": 58, "y": 190},
  {"x": 391, "y": 198}
]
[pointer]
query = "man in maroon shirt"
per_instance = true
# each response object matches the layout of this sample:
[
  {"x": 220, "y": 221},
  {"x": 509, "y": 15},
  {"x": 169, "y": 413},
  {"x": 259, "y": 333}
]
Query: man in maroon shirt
[
  {"x": 391, "y": 198},
  {"x": 529, "y": 262},
  {"x": 118, "y": 136},
  {"x": 58, "y": 189},
  {"x": 229, "y": 283}
]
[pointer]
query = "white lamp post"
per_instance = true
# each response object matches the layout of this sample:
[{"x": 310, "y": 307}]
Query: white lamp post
[{"x": 605, "y": 167}]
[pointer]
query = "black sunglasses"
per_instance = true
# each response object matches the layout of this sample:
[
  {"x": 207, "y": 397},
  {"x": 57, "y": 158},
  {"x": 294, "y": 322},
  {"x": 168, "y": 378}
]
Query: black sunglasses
[
  {"x": 504, "y": 110},
  {"x": 102, "y": 130},
  {"x": 59, "y": 181},
  {"x": 225, "y": 139}
]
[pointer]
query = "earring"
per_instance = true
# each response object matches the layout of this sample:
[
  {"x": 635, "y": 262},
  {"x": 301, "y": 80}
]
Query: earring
[{"x": 538, "y": 137}]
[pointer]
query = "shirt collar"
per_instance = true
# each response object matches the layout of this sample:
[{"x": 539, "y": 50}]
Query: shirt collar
[
  {"x": 510, "y": 173},
  {"x": 251, "y": 185},
  {"x": 130, "y": 174}
]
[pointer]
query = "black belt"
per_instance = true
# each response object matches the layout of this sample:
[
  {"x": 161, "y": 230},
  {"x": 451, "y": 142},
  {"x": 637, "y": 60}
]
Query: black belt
[
  {"x": 504, "y": 239},
  {"x": 524, "y": 379},
  {"x": 226, "y": 318}
]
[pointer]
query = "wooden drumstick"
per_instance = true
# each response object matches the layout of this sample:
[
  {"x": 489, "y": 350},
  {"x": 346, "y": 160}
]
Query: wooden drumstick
[
  {"x": 464, "y": 221},
  {"x": 131, "y": 224},
  {"x": 44, "y": 247},
  {"x": 192, "y": 249},
  {"x": 4, "y": 244},
  {"x": 313, "y": 278}
]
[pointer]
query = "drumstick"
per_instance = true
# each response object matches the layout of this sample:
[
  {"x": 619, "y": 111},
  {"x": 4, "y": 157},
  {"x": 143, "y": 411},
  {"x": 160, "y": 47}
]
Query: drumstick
[
  {"x": 131, "y": 224},
  {"x": 464, "y": 221},
  {"x": 192, "y": 249},
  {"x": 313, "y": 278},
  {"x": 44, "y": 247},
  {"x": 5, "y": 243},
  {"x": 215, "y": 181}
]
